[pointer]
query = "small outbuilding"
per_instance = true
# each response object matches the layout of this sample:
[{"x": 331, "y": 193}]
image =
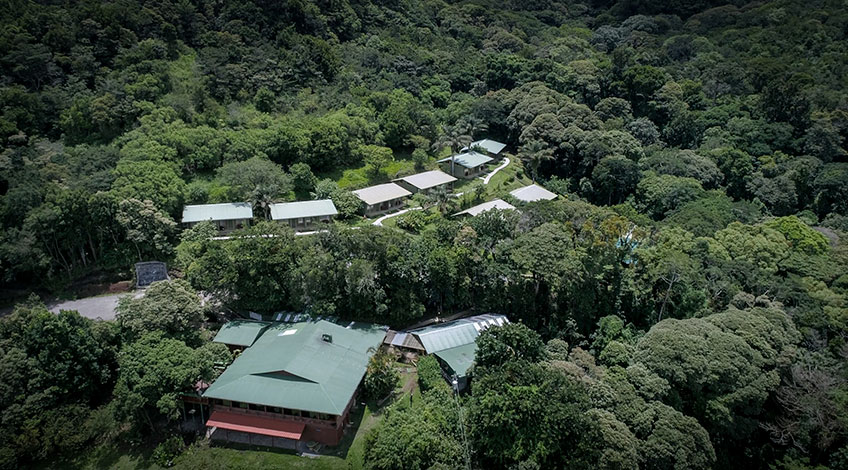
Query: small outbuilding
[
  {"x": 489, "y": 147},
  {"x": 227, "y": 216},
  {"x": 427, "y": 181},
  {"x": 454, "y": 343},
  {"x": 533, "y": 193},
  {"x": 466, "y": 165},
  {"x": 382, "y": 198},
  {"x": 486, "y": 206},
  {"x": 240, "y": 334},
  {"x": 304, "y": 215}
]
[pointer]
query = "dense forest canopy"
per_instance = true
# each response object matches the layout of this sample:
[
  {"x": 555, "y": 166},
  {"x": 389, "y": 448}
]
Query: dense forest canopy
[{"x": 683, "y": 304}]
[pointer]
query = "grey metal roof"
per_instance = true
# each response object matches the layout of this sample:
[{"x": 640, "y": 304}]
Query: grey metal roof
[
  {"x": 456, "y": 333},
  {"x": 492, "y": 146},
  {"x": 224, "y": 211},
  {"x": 429, "y": 179},
  {"x": 469, "y": 159},
  {"x": 295, "y": 210},
  {"x": 381, "y": 193},
  {"x": 532, "y": 193},
  {"x": 480, "y": 208}
]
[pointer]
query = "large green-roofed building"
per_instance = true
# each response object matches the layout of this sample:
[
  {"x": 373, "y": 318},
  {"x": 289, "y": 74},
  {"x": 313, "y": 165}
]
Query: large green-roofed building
[{"x": 302, "y": 375}]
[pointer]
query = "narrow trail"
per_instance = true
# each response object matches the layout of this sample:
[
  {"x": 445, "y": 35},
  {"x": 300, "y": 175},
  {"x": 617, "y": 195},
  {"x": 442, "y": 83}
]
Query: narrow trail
[{"x": 379, "y": 222}]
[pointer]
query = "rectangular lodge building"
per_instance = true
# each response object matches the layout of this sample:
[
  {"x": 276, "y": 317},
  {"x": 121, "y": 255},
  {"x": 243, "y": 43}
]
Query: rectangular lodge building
[{"x": 294, "y": 382}]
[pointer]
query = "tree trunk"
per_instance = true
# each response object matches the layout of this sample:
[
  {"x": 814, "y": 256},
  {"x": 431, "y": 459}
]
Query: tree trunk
[{"x": 671, "y": 282}]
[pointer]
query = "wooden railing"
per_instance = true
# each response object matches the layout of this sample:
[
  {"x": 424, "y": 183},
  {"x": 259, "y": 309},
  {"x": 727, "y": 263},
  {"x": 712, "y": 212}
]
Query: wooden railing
[{"x": 302, "y": 419}]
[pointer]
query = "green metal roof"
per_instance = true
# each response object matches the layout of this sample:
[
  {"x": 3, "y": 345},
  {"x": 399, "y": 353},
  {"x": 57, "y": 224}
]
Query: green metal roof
[
  {"x": 292, "y": 366},
  {"x": 470, "y": 159},
  {"x": 240, "y": 332},
  {"x": 457, "y": 332},
  {"x": 460, "y": 358}
]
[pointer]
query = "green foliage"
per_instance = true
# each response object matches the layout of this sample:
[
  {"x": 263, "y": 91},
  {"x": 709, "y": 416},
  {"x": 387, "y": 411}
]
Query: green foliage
[
  {"x": 149, "y": 180},
  {"x": 799, "y": 235},
  {"x": 256, "y": 180},
  {"x": 430, "y": 374},
  {"x": 154, "y": 371},
  {"x": 412, "y": 221},
  {"x": 513, "y": 341},
  {"x": 722, "y": 367},
  {"x": 377, "y": 158},
  {"x": 658, "y": 195},
  {"x": 702, "y": 116},
  {"x": 303, "y": 179},
  {"x": 167, "y": 451},
  {"x": 381, "y": 378},
  {"x": 149, "y": 230},
  {"x": 171, "y": 307},
  {"x": 420, "y": 437},
  {"x": 52, "y": 368}
]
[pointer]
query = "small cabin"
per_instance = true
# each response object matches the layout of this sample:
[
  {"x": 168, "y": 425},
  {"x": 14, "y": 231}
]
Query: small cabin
[
  {"x": 304, "y": 215},
  {"x": 466, "y": 165},
  {"x": 382, "y": 198},
  {"x": 426, "y": 182},
  {"x": 226, "y": 217},
  {"x": 488, "y": 147},
  {"x": 533, "y": 193},
  {"x": 486, "y": 206}
]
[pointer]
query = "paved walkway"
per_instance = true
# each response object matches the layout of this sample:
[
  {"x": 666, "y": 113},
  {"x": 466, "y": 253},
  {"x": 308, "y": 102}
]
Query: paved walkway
[
  {"x": 379, "y": 222},
  {"x": 501, "y": 167},
  {"x": 101, "y": 307}
]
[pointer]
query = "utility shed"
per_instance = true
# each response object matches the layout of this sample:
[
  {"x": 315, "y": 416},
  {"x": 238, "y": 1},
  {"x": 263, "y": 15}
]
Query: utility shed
[
  {"x": 227, "y": 216},
  {"x": 454, "y": 342},
  {"x": 426, "y": 181},
  {"x": 304, "y": 373},
  {"x": 382, "y": 198},
  {"x": 466, "y": 165},
  {"x": 533, "y": 193},
  {"x": 304, "y": 215},
  {"x": 240, "y": 333},
  {"x": 491, "y": 147},
  {"x": 486, "y": 206},
  {"x": 456, "y": 362}
]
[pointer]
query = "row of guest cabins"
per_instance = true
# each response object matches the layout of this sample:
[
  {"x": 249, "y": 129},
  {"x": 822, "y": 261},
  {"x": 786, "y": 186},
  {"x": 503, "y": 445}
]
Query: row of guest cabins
[
  {"x": 297, "y": 380},
  {"x": 377, "y": 200}
]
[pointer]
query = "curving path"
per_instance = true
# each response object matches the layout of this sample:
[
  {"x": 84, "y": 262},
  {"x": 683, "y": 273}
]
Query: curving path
[
  {"x": 501, "y": 167},
  {"x": 379, "y": 222}
]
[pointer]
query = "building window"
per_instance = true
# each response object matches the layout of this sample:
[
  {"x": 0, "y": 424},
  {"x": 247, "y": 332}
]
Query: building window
[
  {"x": 254, "y": 407},
  {"x": 276, "y": 410},
  {"x": 242, "y": 405}
]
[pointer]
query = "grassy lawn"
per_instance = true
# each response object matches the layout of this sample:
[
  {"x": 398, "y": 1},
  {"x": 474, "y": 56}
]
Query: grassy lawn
[{"x": 353, "y": 178}]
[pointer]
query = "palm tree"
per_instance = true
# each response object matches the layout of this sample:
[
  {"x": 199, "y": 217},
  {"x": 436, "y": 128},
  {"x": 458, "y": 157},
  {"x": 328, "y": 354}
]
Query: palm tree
[
  {"x": 440, "y": 197},
  {"x": 534, "y": 153},
  {"x": 453, "y": 137},
  {"x": 263, "y": 196}
]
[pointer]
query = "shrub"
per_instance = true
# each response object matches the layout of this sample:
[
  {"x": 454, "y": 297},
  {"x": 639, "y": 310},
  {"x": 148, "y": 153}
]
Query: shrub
[
  {"x": 381, "y": 376},
  {"x": 167, "y": 451},
  {"x": 412, "y": 221},
  {"x": 430, "y": 374}
]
